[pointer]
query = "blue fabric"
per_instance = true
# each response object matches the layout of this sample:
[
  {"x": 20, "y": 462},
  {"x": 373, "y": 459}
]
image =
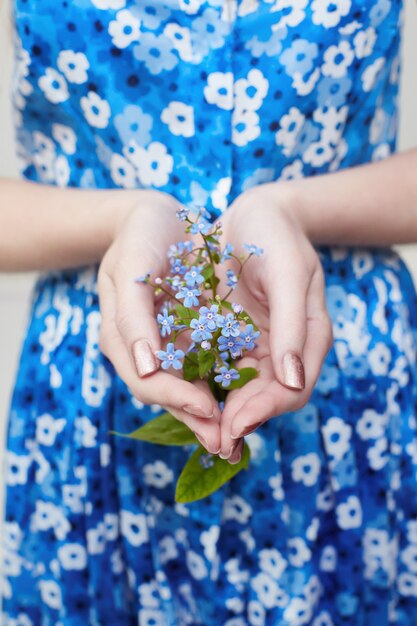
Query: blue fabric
[{"x": 204, "y": 99}]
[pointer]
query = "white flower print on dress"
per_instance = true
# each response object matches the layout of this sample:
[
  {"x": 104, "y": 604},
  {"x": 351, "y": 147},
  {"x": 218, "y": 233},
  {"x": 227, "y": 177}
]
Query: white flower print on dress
[
  {"x": 96, "y": 539},
  {"x": 208, "y": 540},
  {"x": 318, "y": 153},
  {"x": 87, "y": 432},
  {"x": 349, "y": 513},
  {"x": 364, "y": 42},
  {"x": 291, "y": 12},
  {"x": 105, "y": 5},
  {"x": 180, "y": 37},
  {"x": 235, "y": 508},
  {"x": 250, "y": 92},
  {"x": 17, "y": 466},
  {"x": 196, "y": 565},
  {"x": 337, "y": 437},
  {"x": 290, "y": 126},
  {"x": 245, "y": 127},
  {"x": 134, "y": 528},
  {"x": 73, "y": 65},
  {"x": 154, "y": 164},
  {"x": 378, "y": 454},
  {"x": 219, "y": 195},
  {"x": 337, "y": 60},
  {"x": 125, "y": 29},
  {"x": 328, "y": 13},
  {"x": 47, "y": 429},
  {"x": 157, "y": 474},
  {"x": 96, "y": 110},
  {"x": 371, "y": 74},
  {"x": 62, "y": 171},
  {"x": 306, "y": 469},
  {"x": 407, "y": 584},
  {"x": 54, "y": 86},
  {"x": 299, "y": 553},
  {"x": 191, "y": 6},
  {"x": 122, "y": 172},
  {"x": 272, "y": 562},
  {"x": 50, "y": 594},
  {"x": 371, "y": 425},
  {"x": 270, "y": 594},
  {"x": 298, "y": 612},
  {"x": 179, "y": 118},
  {"x": 72, "y": 556},
  {"x": 151, "y": 617},
  {"x": 219, "y": 90}
]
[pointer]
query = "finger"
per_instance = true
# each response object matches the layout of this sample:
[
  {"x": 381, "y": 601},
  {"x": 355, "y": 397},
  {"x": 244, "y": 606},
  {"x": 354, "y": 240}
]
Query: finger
[
  {"x": 161, "y": 388},
  {"x": 287, "y": 294},
  {"x": 135, "y": 318},
  {"x": 276, "y": 400},
  {"x": 207, "y": 431}
]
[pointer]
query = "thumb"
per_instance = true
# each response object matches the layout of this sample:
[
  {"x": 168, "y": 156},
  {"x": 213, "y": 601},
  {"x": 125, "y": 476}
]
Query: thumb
[{"x": 137, "y": 325}]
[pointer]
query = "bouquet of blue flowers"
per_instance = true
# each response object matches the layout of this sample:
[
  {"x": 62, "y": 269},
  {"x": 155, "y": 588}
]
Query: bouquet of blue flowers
[{"x": 218, "y": 332}]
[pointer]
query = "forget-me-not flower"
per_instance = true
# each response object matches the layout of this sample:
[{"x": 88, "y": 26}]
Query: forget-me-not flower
[
  {"x": 225, "y": 376},
  {"x": 170, "y": 357},
  {"x": 189, "y": 296}
]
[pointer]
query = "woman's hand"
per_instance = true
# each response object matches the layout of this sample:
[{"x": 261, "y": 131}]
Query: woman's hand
[
  {"x": 283, "y": 291},
  {"x": 129, "y": 334}
]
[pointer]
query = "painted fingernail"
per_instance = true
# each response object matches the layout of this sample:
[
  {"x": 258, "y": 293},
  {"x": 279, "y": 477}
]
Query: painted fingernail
[
  {"x": 233, "y": 447},
  {"x": 248, "y": 430},
  {"x": 293, "y": 371},
  {"x": 145, "y": 360},
  {"x": 196, "y": 409}
]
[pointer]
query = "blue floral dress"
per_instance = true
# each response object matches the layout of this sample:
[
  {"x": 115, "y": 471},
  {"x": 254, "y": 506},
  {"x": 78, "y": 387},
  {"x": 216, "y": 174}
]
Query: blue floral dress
[{"x": 203, "y": 99}]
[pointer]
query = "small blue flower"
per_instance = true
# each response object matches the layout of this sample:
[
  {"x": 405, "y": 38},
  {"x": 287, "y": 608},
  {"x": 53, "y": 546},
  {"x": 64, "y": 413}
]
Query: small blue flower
[
  {"x": 193, "y": 276},
  {"x": 252, "y": 249},
  {"x": 233, "y": 344},
  {"x": 176, "y": 282},
  {"x": 232, "y": 279},
  {"x": 177, "y": 266},
  {"x": 170, "y": 357},
  {"x": 231, "y": 326},
  {"x": 183, "y": 213},
  {"x": 200, "y": 332},
  {"x": 188, "y": 295},
  {"x": 202, "y": 227},
  {"x": 210, "y": 317},
  {"x": 225, "y": 376},
  {"x": 227, "y": 251},
  {"x": 166, "y": 322},
  {"x": 248, "y": 337}
]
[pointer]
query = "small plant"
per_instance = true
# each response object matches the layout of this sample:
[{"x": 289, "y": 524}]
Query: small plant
[{"x": 205, "y": 334}]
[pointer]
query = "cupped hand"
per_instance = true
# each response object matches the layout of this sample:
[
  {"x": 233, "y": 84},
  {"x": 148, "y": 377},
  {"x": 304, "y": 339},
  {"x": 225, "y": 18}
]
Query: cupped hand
[
  {"x": 129, "y": 334},
  {"x": 284, "y": 292}
]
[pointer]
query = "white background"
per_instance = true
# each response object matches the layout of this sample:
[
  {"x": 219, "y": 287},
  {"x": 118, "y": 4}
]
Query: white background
[{"x": 15, "y": 289}]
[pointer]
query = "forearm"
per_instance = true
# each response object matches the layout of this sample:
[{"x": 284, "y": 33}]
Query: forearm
[
  {"x": 370, "y": 205},
  {"x": 44, "y": 227}
]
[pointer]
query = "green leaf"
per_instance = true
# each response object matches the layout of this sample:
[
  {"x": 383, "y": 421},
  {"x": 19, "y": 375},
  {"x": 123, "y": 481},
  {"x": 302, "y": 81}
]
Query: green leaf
[
  {"x": 206, "y": 360},
  {"x": 204, "y": 473},
  {"x": 212, "y": 239},
  {"x": 207, "y": 272},
  {"x": 190, "y": 368},
  {"x": 245, "y": 375},
  {"x": 227, "y": 305},
  {"x": 165, "y": 430},
  {"x": 185, "y": 314}
]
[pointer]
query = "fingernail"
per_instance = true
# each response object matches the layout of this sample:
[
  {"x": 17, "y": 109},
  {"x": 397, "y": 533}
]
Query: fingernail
[
  {"x": 196, "y": 409},
  {"x": 293, "y": 371},
  {"x": 235, "y": 458},
  {"x": 202, "y": 441},
  {"x": 248, "y": 430},
  {"x": 225, "y": 457},
  {"x": 145, "y": 360}
]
